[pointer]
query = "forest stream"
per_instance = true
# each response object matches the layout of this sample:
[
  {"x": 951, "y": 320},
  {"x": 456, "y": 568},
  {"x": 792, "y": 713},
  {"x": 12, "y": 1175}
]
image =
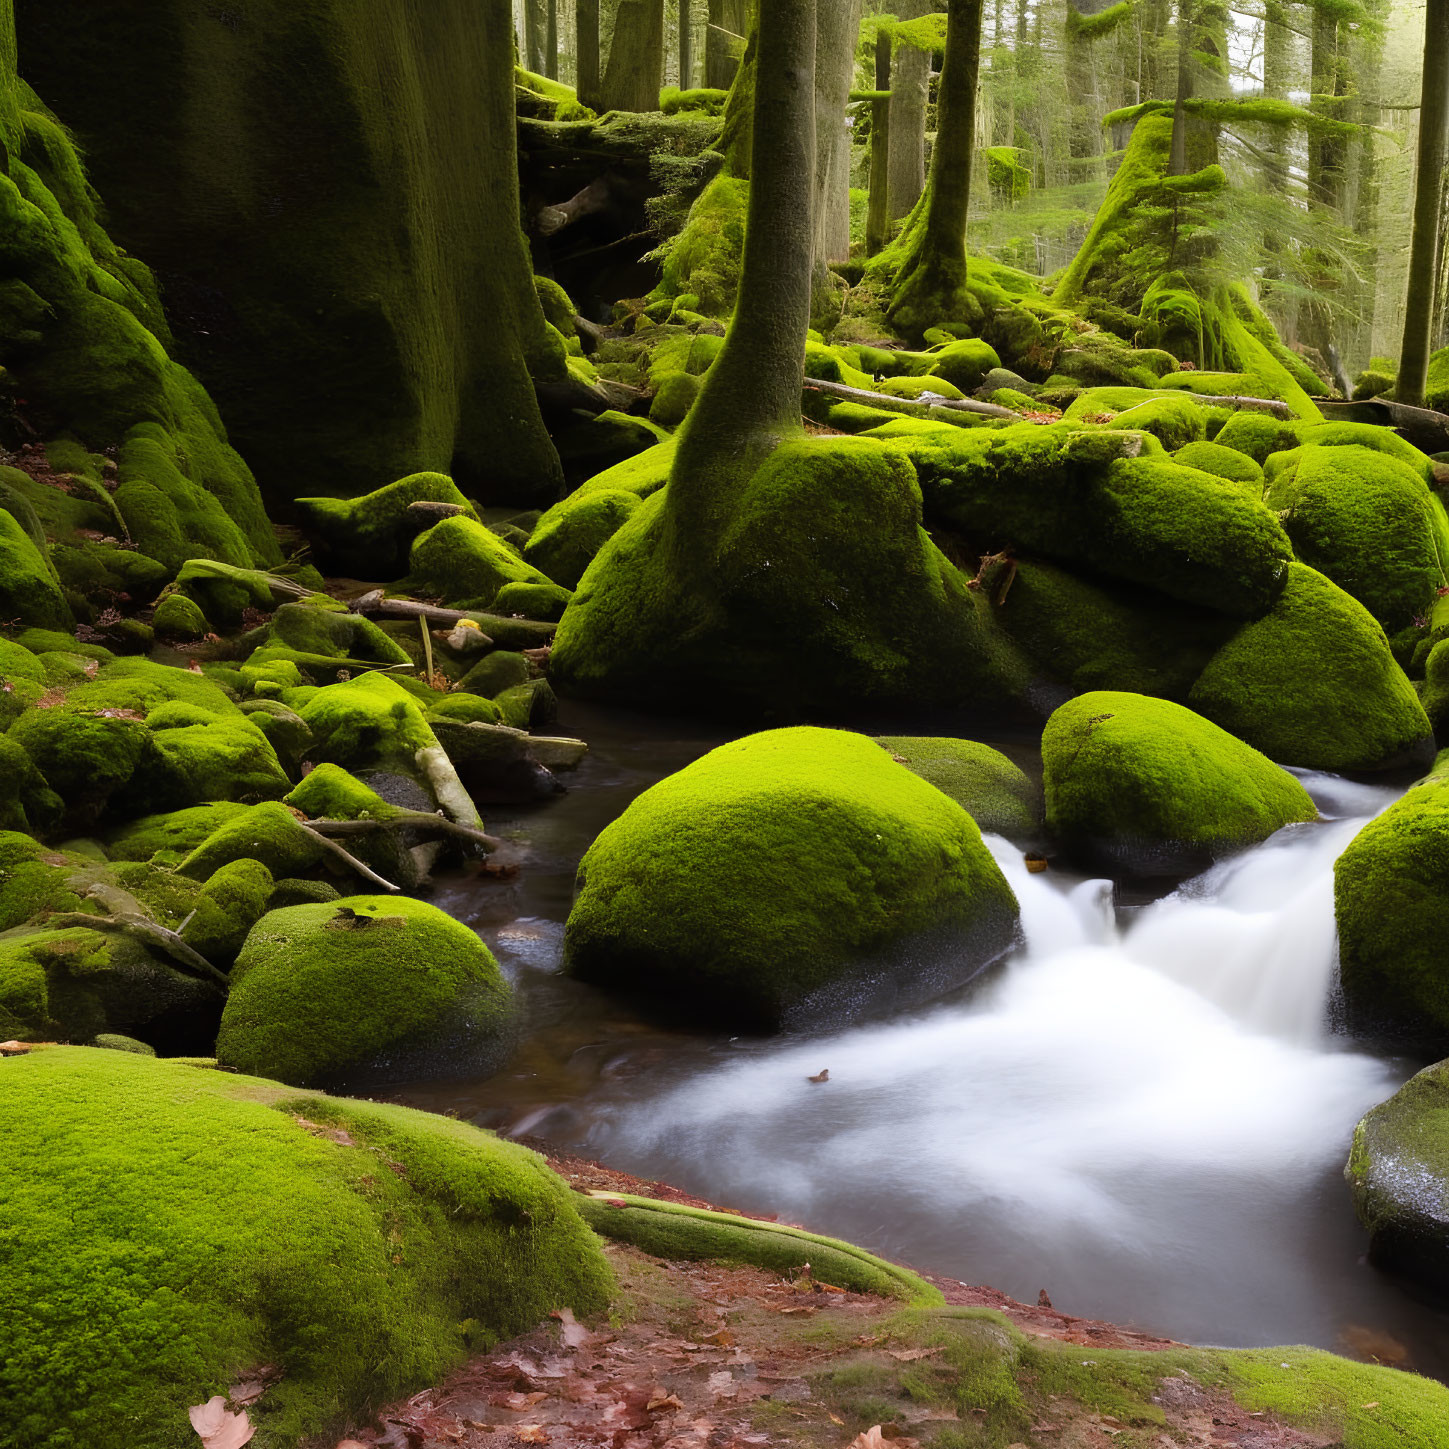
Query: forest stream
[{"x": 1144, "y": 1112}]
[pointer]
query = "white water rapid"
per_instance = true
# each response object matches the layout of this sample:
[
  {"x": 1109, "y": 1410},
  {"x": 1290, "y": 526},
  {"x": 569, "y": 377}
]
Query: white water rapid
[{"x": 1146, "y": 1120}]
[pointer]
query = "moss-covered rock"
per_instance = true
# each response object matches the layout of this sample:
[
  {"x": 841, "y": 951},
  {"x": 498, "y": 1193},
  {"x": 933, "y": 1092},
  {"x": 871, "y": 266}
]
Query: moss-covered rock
[
  {"x": 172, "y": 834},
  {"x": 178, "y": 617},
  {"x": 323, "y": 644},
  {"x": 26, "y": 800},
  {"x": 799, "y": 606},
  {"x": 1391, "y": 891},
  {"x": 1175, "y": 422},
  {"x": 30, "y": 592},
  {"x": 371, "y": 988},
  {"x": 985, "y": 783},
  {"x": 792, "y": 877},
  {"x": 461, "y": 561},
  {"x": 1367, "y": 521},
  {"x": 204, "y": 757},
  {"x": 369, "y": 537},
  {"x": 1222, "y": 462},
  {"x": 219, "y": 1222},
  {"x": 1313, "y": 684},
  {"x": 368, "y": 723},
  {"x": 268, "y": 833},
  {"x": 1257, "y": 435},
  {"x": 1398, "y": 1171},
  {"x": 1110, "y": 501},
  {"x": 227, "y": 907},
  {"x": 533, "y": 601},
  {"x": 965, "y": 363},
  {"x": 1147, "y": 786}
]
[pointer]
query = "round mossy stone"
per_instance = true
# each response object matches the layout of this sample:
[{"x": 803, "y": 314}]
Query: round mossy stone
[
  {"x": 178, "y": 617},
  {"x": 1147, "y": 786},
  {"x": 989, "y": 787},
  {"x": 1391, "y": 899},
  {"x": 791, "y": 878},
  {"x": 965, "y": 363},
  {"x": 115, "y": 1042},
  {"x": 1398, "y": 1172},
  {"x": 1221, "y": 462},
  {"x": 1313, "y": 684},
  {"x": 171, "y": 1227},
  {"x": 368, "y": 988}
]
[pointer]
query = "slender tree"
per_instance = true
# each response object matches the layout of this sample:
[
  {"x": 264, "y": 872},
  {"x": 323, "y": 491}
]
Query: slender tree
[
  {"x": 878, "y": 215},
  {"x": 686, "y": 46},
  {"x": 550, "y": 41},
  {"x": 910, "y": 81},
  {"x": 729, "y": 21},
  {"x": 1433, "y": 130},
  {"x": 837, "y": 31},
  {"x": 930, "y": 283},
  {"x": 586, "y": 49},
  {"x": 635, "y": 70}
]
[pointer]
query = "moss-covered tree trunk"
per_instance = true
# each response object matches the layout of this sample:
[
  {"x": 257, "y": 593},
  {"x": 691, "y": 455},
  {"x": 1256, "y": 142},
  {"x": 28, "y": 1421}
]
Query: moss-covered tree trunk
[
  {"x": 750, "y": 398},
  {"x": 635, "y": 71},
  {"x": 586, "y": 51},
  {"x": 837, "y": 31},
  {"x": 329, "y": 195},
  {"x": 910, "y": 80},
  {"x": 729, "y": 22},
  {"x": 930, "y": 285},
  {"x": 686, "y": 46},
  {"x": 1433, "y": 131}
]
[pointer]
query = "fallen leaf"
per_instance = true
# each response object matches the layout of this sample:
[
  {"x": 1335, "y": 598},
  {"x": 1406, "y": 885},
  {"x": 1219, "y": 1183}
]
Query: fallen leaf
[
  {"x": 721, "y": 1338},
  {"x": 828, "y": 1287},
  {"x": 573, "y": 1333},
  {"x": 352, "y": 1444},
  {"x": 254, "y": 1385},
  {"x": 531, "y": 1433},
  {"x": 799, "y": 1308},
  {"x": 820, "y": 1076},
  {"x": 910, "y": 1355},
  {"x": 1372, "y": 1404},
  {"x": 871, "y": 1439},
  {"x": 516, "y": 1403},
  {"x": 218, "y": 1427},
  {"x": 834, "y": 1419},
  {"x": 660, "y": 1400}
]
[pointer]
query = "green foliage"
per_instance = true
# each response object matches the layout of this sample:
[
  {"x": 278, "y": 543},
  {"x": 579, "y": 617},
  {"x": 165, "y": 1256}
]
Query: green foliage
[
  {"x": 369, "y": 985},
  {"x": 205, "y": 1224},
  {"x": 982, "y": 781},
  {"x": 862, "y": 860},
  {"x": 1147, "y": 784}
]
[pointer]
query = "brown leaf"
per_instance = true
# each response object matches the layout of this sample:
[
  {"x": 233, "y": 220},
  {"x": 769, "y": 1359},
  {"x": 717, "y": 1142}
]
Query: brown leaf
[
  {"x": 218, "y": 1427},
  {"x": 721, "y": 1338},
  {"x": 871, "y": 1439},
  {"x": 660, "y": 1400},
  {"x": 573, "y": 1333},
  {"x": 249, "y": 1389},
  {"x": 516, "y": 1403},
  {"x": 332, "y": 1134},
  {"x": 910, "y": 1355},
  {"x": 828, "y": 1288},
  {"x": 352, "y": 1444},
  {"x": 531, "y": 1433},
  {"x": 821, "y": 1076}
]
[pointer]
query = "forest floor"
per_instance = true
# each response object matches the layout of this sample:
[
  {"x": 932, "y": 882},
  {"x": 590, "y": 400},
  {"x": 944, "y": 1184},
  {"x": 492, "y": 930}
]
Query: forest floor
[{"x": 705, "y": 1355}]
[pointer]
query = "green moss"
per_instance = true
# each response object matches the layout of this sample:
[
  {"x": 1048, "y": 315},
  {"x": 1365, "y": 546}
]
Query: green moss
[
  {"x": 371, "y": 986},
  {"x": 30, "y": 592},
  {"x": 916, "y": 387},
  {"x": 323, "y": 643},
  {"x": 85, "y": 757},
  {"x": 673, "y": 398},
  {"x": 965, "y": 363},
  {"x": 467, "y": 708},
  {"x": 1149, "y": 786},
  {"x": 178, "y": 617},
  {"x": 674, "y": 1231},
  {"x": 570, "y": 534},
  {"x": 1257, "y": 435},
  {"x": 26, "y": 800},
  {"x": 29, "y": 885},
  {"x": 171, "y": 835},
  {"x": 205, "y": 757},
  {"x": 364, "y": 1249},
  {"x": 861, "y": 857},
  {"x": 268, "y": 833},
  {"x": 1173, "y": 421},
  {"x": 1368, "y": 435},
  {"x": 1390, "y": 895},
  {"x": 1221, "y": 462},
  {"x": 1109, "y": 501},
  {"x": 534, "y": 601},
  {"x": 330, "y": 793},
  {"x": 1368, "y": 522},
  {"x": 368, "y": 723},
  {"x": 46, "y": 641},
  {"x": 1313, "y": 684},
  {"x": 461, "y": 560},
  {"x": 223, "y": 591},
  {"x": 495, "y": 672},
  {"x": 115, "y": 1042},
  {"x": 227, "y": 907},
  {"x": 798, "y": 606},
  {"x": 982, "y": 781},
  {"x": 704, "y": 259},
  {"x": 369, "y": 537}
]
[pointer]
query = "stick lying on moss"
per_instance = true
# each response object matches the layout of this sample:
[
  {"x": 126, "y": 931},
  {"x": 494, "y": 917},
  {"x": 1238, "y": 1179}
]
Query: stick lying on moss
[{"x": 670, "y": 1230}]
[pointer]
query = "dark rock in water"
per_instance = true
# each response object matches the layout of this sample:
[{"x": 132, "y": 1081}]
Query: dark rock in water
[
  {"x": 1399, "y": 1173},
  {"x": 795, "y": 878}
]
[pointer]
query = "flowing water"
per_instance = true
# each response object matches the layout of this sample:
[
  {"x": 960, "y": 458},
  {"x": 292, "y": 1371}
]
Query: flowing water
[{"x": 1145, "y": 1111}]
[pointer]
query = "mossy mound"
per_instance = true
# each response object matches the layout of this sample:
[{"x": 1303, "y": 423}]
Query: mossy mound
[
  {"x": 1391, "y": 892},
  {"x": 368, "y": 723},
  {"x": 173, "y": 1227},
  {"x": 324, "y": 643},
  {"x": 1313, "y": 684},
  {"x": 30, "y": 592},
  {"x": 1222, "y": 462},
  {"x": 983, "y": 782},
  {"x": 1368, "y": 522},
  {"x": 1109, "y": 501},
  {"x": 800, "y": 605},
  {"x": 1147, "y": 786},
  {"x": 369, "y": 988},
  {"x": 460, "y": 560},
  {"x": 369, "y": 537},
  {"x": 793, "y": 877},
  {"x": 1399, "y": 1174},
  {"x": 965, "y": 363}
]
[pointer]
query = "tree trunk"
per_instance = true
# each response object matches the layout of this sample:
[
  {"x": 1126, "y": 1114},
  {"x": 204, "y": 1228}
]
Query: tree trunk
[
  {"x": 750, "y": 398},
  {"x": 729, "y": 21},
  {"x": 878, "y": 217},
  {"x": 837, "y": 29},
  {"x": 550, "y": 42},
  {"x": 931, "y": 283},
  {"x": 910, "y": 79},
  {"x": 636, "y": 58},
  {"x": 533, "y": 34},
  {"x": 586, "y": 43},
  {"x": 686, "y": 46},
  {"x": 1433, "y": 128}
]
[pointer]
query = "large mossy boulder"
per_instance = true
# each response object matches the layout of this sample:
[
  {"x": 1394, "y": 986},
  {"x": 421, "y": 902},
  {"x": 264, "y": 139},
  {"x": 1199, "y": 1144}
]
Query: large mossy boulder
[
  {"x": 823, "y": 592},
  {"x": 1391, "y": 899},
  {"x": 1398, "y": 1171},
  {"x": 1146, "y": 786},
  {"x": 1312, "y": 683},
  {"x": 171, "y": 1228},
  {"x": 993, "y": 791},
  {"x": 365, "y": 989},
  {"x": 795, "y": 877},
  {"x": 464, "y": 563}
]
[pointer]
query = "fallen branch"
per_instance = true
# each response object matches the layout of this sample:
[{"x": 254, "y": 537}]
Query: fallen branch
[
  {"x": 909, "y": 406},
  {"x": 1426, "y": 429},
  {"x": 1232, "y": 400},
  {"x": 350, "y": 860},
  {"x": 409, "y": 820},
  {"x": 148, "y": 932},
  {"x": 374, "y": 605}
]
